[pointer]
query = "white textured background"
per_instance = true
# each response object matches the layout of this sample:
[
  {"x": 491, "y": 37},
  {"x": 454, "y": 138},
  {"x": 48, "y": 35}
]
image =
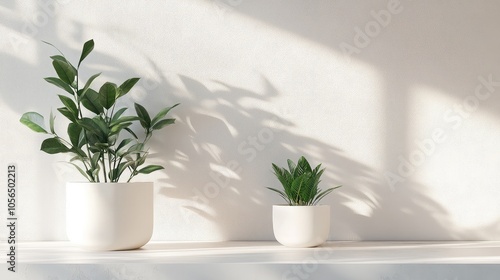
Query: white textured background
[{"x": 263, "y": 81}]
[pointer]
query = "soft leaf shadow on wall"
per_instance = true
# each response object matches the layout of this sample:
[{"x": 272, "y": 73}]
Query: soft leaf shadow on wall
[
  {"x": 206, "y": 141},
  {"x": 440, "y": 46}
]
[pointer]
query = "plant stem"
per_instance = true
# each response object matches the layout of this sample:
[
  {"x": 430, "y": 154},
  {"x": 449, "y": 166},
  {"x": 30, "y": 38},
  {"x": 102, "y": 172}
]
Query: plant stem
[
  {"x": 111, "y": 162},
  {"x": 104, "y": 168},
  {"x": 78, "y": 103},
  {"x": 146, "y": 138},
  {"x": 111, "y": 170}
]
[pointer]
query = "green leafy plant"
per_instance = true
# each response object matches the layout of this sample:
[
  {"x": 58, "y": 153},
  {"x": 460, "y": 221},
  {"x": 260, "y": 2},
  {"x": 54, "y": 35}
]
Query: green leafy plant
[
  {"x": 300, "y": 183},
  {"x": 95, "y": 133}
]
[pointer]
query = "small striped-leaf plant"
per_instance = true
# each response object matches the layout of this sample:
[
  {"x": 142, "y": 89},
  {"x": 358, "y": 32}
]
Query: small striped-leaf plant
[{"x": 300, "y": 183}]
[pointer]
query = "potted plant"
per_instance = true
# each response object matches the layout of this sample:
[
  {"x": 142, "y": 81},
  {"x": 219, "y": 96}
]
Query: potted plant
[
  {"x": 104, "y": 213},
  {"x": 301, "y": 222}
]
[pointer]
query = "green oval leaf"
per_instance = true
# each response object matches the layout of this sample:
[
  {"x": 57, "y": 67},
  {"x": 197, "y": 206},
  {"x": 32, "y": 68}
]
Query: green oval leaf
[
  {"x": 51, "y": 123},
  {"x": 150, "y": 168},
  {"x": 34, "y": 121},
  {"x": 89, "y": 125},
  {"x": 136, "y": 148},
  {"x": 54, "y": 146},
  {"x": 102, "y": 125},
  {"x": 67, "y": 113},
  {"x": 162, "y": 114},
  {"x": 83, "y": 91},
  {"x": 64, "y": 71},
  {"x": 52, "y": 46},
  {"x": 123, "y": 143},
  {"x": 131, "y": 132},
  {"x": 117, "y": 114},
  {"x": 91, "y": 102},
  {"x": 74, "y": 132},
  {"x": 116, "y": 129},
  {"x": 127, "y": 86},
  {"x": 143, "y": 115},
  {"x": 107, "y": 95},
  {"x": 124, "y": 119},
  {"x": 64, "y": 60},
  {"x": 87, "y": 49},
  {"x": 163, "y": 123},
  {"x": 82, "y": 172},
  {"x": 68, "y": 102},
  {"x": 59, "y": 83}
]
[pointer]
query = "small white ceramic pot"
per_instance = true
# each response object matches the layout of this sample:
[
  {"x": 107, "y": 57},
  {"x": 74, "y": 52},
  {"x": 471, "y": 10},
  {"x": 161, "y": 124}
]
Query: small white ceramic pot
[
  {"x": 301, "y": 226},
  {"x": 109, "y": 216}
]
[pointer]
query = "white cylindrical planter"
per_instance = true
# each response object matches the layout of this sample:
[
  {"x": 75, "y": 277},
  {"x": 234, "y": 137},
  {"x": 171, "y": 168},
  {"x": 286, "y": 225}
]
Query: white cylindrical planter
[
  {"x": 109, "y": 216},
  {"x": 301, "y": 226}
]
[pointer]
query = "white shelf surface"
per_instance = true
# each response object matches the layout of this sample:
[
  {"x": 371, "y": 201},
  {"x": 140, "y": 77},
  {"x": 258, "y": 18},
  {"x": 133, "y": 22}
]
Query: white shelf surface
[
  {"x": 262, "y": 259},
  {"x": 269, "y": 252}
]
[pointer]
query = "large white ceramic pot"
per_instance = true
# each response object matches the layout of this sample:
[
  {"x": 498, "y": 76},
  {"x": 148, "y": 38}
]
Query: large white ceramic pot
[
  {"x": 301, "y": 226},
  {"x": 109, "y": 216}
]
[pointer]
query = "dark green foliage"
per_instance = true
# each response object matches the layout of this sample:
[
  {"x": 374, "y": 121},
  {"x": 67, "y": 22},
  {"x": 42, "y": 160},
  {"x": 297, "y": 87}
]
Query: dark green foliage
[
  {"x": 300, "y": 183},
  {"x": 94, "y": 135}
]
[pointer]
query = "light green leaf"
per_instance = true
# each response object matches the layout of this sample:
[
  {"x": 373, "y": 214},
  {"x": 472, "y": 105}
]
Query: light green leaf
[
  {"x": 122, "y": 167},
  {"x": 67, "y": 113},
  {"x": 94, "y": 162},
  {"x": 141, "y": 159},
  {"x": 117, "y": 114},
  {"x": 87, "y": 84},
  {"x": 51, "y": 123},
  {"x": 59, "y": 57},
  {"x": 291, "y": 165},
  {"x": 115, "y": 129},
  {"x": 163, "y": 123},
  {"x": 136, "y": 147},
  {"x": 162, "y": 114},
  {"x": 124, "y": 119},
  {"x": 150, "y": 168},
  {"x": 59, "y": 83},
  {"x": 52, "y": 46},
  {"x": 82, "y": 172},
  {"x": 34, "y": 121}
]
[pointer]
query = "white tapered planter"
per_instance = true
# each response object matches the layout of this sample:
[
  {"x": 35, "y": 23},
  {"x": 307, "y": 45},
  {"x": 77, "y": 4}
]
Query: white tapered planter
[
  {"x": 109, "y": 216},
  {"x": 301, "y": 226}
]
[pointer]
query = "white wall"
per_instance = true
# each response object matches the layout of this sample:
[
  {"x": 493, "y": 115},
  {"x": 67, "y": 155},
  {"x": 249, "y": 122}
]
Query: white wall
[{"x": 397, "y": 98}]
